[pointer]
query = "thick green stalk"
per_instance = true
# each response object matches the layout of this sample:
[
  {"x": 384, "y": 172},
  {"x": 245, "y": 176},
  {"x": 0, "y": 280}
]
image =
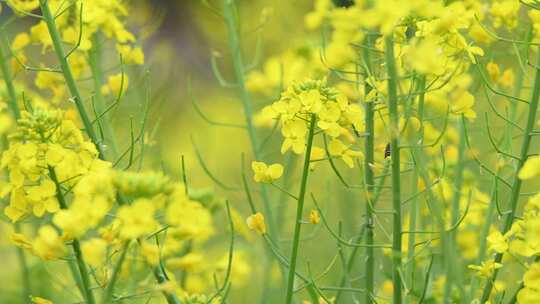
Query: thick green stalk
[
  {"x": 516, "y": 186},
  {"x": 68, "y": 74},
  {"x": 414, "y": 211},
  {"x": 85, "y": 278},
  {"x": 230, "y": 14},
  {"x": 352, "y": 257},
  {"x": 369, "y": 161},
  {"x": 451, "y": 267},
  {"x": 299, "y": 209},
  {"x": 396, "y": 182}
]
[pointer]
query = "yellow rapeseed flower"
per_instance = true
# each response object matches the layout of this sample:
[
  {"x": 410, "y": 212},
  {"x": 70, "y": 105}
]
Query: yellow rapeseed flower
[
  {"x": 256, "y": 222},
  {"x": 94, "y": 251},
  {"x": 531, "y": 168},
  {"x": 264, "y": 173}
]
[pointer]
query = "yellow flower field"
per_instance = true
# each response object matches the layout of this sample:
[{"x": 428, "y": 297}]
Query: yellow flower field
[{"x": 234, "y": 151}]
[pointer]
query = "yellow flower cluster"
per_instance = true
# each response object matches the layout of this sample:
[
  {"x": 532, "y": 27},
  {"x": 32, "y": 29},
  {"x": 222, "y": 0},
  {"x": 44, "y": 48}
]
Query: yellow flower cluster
[
  {"x": 44, "y": 142},
  {"x": 531, "y": 281},
  {"x": 80, "y": 25},
  {"x": 336, "y": 117}
]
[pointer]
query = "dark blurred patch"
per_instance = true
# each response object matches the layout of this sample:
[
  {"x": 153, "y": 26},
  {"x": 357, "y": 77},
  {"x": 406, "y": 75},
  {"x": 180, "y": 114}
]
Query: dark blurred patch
[
  {"x": 343, "y": 3},
  {"x": 179, "y": 29}
]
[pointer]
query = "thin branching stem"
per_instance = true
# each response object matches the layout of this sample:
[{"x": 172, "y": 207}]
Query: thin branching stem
[{"x": 516, "y": 186}]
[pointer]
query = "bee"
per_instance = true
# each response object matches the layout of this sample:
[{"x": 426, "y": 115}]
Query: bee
[{"x": 387, "y": 151}]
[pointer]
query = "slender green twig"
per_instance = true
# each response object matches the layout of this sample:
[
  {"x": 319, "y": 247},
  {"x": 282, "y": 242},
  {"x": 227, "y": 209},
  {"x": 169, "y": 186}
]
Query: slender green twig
[
  {"x": 369, "y": 161},
  {"x": 450, "y": 265},
  {"x": 299, "y": 209},
  {"x": 68, "y": 74},
  {"x": 95, "y": 59},
  {"x": 230, "y": 15},
  {"x": 108, "y": 293},
  {"x": 396, "y": 183},
  {"x": 516, "y": 186}
]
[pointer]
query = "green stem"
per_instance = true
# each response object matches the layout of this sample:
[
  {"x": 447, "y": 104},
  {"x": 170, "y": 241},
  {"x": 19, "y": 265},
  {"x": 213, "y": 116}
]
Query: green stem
[
  {"x": 352, "y": 257},
  {"x": 414, "y": 210},
  {"x": 94, "y": 60},
  {"x": 396, "y": 183},
  {"x": 483, "y": 240},
  {"x": 299, "y": 209},
  {"x": 68, "y": 74},
  {"x": 516, "y": 186},
  {"x": 107, "y": 295},
  {"x": 230, "y": 15},
  {"x": 521, "y": 286},
  {"x": 25, "y": 273},
  {"x": 161, "y": 278},
  {"x": 8, "y": 79},
  {"x": 369, "y": 161},
  {"x": 450, "y": 262},
  {"x": 12, "y": 102},
  {"x": 88, "y": 294}
]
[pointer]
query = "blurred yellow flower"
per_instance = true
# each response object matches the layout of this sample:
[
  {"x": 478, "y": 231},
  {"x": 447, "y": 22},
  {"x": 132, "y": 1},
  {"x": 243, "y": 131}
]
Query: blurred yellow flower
[
  {"x": 531, "y": 168},
  {"x": 497, "y": 242},
  {"x": 264, "y": 173},
  {"x": 40, "y": 300},
  {"x": 94, "y": 251},
  {"x": 485, "y": 269},
  {"x": 256, "y": 222},
  {"x": 314, "y": 217},
  {"x": 115, "y": 84}
]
